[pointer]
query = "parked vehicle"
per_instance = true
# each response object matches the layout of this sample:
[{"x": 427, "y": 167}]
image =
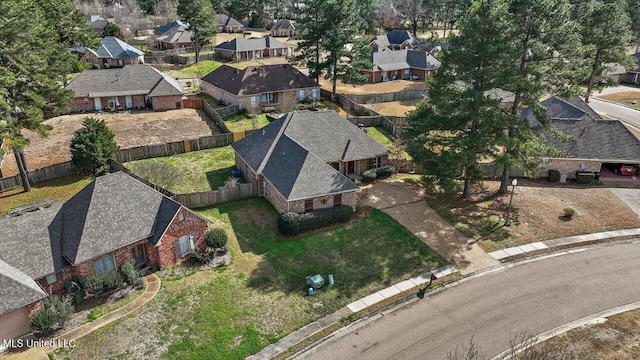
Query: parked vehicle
[{"x": 624, "y": 169}]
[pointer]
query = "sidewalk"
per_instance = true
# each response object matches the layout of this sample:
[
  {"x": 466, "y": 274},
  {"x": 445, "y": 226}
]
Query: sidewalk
[
  {"x": 505, "y": 254},
  {"x": 356, "y": 306},
  {"x": 37, "y": 353}
]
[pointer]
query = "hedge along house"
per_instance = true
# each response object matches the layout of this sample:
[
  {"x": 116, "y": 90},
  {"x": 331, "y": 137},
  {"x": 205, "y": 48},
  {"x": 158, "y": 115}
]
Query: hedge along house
[
  {"x": 251, "y": 49},
  {"x": 129, "y": 87},
  {"x": 301, "y": 161},
  {"x": 595, "y": 141},
  {"x": 400, "y": 64},
  {"x": 114, "y": 53},
  {"x": 254, "y": 86},
  {"x": 113, "y": 219}
]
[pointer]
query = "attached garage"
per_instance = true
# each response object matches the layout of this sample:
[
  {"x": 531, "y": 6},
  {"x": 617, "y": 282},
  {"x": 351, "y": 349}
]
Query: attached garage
[{"x": 14, "y": 324}]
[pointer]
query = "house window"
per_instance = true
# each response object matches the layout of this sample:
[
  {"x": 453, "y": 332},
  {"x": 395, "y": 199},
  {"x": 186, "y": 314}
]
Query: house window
[
  {"x": 273, "y": 97},
  {"x": 275, "y": 52},
  {"x": 263, "y": 98},
  {"x": 184, "y": 245},
  {"x": 253, "y": 100},
  {"x": 85, "y": 100},
  {"x": 314, "y": 93},
  {"x": 105, "y": 264},
  {"x": 308, "y": 205},
  {"x": 337, "y": 200},
  {"x": 406, "y": 73},
  {"x": 113, "y": 102},
  {"x": 301, "y": 95}
]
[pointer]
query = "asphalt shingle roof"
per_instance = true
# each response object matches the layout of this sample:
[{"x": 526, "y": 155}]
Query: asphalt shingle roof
[
  {"x": 252, "y": 44},
  {"x": 114, "y": 48},
  {"x": 128, "y": 80},
  {"x": 18, "y": 289},
  {"x": 222, "y": 20},
  {"x": 259, "y": 79},
  {"x": 389, "y": 60},
  {"x": 168, "y": 26},
  {"x": 283, "y": 24},
  {"x": 293, "y": 152},
  {"x": 396, "y": 37}
]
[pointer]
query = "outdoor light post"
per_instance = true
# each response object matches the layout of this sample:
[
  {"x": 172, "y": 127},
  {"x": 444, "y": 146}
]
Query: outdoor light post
[{"x": 514, "y": 183}]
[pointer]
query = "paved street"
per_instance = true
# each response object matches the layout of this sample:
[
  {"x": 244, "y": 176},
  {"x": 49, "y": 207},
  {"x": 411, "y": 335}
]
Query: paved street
[
  {"x": 623, "y": 113},
  {"x": 532, "y": 297}
]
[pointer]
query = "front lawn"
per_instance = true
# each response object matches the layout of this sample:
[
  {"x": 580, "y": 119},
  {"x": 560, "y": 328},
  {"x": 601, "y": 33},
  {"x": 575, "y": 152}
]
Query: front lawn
[
  {"x": 59, "y": 189},
  {"x": 202, "y": 170},
  {"x": 196, "y": 70},
  {"x": 234, "y": 312},
  {"x": 384, "y": 137},
  {"x": 243, "y": 121}
]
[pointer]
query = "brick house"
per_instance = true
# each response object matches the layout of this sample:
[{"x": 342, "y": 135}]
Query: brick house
[
  {"x": 400, "y": 64},
  {"x": 114, "y": 219},
  {"x": 396, "y": 40},
  {"x": 253, "y": 48},
  {"x": 173, "y": 35},
  {"x": 129, "y": 87},
  {"x": 284, "y": 28},
  {"x": 265, "y": 85},
  {"x": 225, "y": 23},
  {"x": 632, "y": 76},
  {"x": 114, "y": 52},
  {"x": 303, "y": 160},
  {"x": 97, "y": 23}
]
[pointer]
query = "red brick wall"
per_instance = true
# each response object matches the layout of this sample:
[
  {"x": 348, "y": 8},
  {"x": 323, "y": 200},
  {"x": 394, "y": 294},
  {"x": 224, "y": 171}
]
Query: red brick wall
[
  {"x": 166, "y": 102},
  {"x": 184, "y": 223},
  {"x": 34, "y": 308},
  {"x": 79, "y": 104}
]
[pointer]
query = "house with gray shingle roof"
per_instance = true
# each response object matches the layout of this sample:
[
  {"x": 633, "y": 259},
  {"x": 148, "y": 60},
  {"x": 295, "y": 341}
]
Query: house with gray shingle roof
[
  {"x": 114, "y": 219},
  {"x": 129, "y": 87},
  {"x": 173, "y": 35},
  {"x": 401, "y": 64},
  {"x": 396, "y": 40},
  {"x": 303, "y": 160},
  {"x": 283, "y": 28},
  {"x": 632, "y": 76},
  {"x": 113, "y": 52},
  {"x": 226, "y": 23},
  {"x": 265, "y": 85},
  {"x": 252, "y": 48},
  {"x": 97, "y": 23}
]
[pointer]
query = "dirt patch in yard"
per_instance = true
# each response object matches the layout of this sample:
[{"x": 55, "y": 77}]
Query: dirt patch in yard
[
  {"x": 629, "y": 98},
  {"x": 383, "y": 87},
  {"x": 132, "y": 129},
  {"x": 394, "y": 108}
]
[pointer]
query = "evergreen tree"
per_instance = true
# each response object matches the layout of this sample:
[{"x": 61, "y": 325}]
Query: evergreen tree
[
  {"x": 313, "y": 26},
  {"x": 200, "y": 16},
  {"x": 92, "y": 146},
  {"x": 112, "y": 30}
]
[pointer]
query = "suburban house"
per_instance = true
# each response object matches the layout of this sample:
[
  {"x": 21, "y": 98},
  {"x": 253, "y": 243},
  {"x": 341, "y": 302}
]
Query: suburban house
[
  {"x": 225, "y": 23},
  {"x": 401, "y": 64},
  {"x": 113, "y": 52},
  {"x": 283, "y": 28},
  {"x": 305, "y": 159},
  {"x": 265, "y": 85},
  {"x": 252, "y": 48},
  {"x": 632, "y": 76},
  {"x": 114, "y": 219},
  {"x": 97, "y": 23},
  {"x": 597, "y": 141},
  {"x": 173, "y": 35},
  {"x": 128, "y": 87},
  {"x": 396, "y": 40}
]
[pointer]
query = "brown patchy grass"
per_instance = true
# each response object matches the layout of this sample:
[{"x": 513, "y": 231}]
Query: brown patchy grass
[
  {"x": 394, "y": 108},
  {"x": 383, "y": 87},
  {"x": 537, "y": 210},
  {"x": 625, "y": 97},
  {"x": 59, "y": 189},
  {"x": 617, "y": 338}
]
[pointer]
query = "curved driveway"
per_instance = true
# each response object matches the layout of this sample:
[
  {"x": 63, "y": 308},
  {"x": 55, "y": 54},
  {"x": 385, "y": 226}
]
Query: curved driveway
[{"x": 530, "y": 297}]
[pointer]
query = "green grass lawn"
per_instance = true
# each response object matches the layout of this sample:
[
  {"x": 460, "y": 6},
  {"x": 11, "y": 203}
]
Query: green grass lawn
[
  {"x": 243, "y": 121},
  {"x": 59, "y": 189},
  {"x": 385, "y": 138},
  {"x": 234, "y": 312},
  {"x": 196, "y": 70},
  {"x": 194, "y": 54},
  {"x": 202, "y": 170}
]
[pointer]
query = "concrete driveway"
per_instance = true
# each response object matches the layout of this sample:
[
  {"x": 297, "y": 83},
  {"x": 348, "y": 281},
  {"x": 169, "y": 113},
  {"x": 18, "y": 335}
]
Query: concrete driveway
[
  {"x": 405, "y": 203},
  {"x": 631, "y": 197}
]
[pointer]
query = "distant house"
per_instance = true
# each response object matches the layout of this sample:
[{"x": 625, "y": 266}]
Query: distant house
[
  {"x": 132, "y": 86},
  {"x": 252, "y": 48},
  {"x": 97, "y": 23},
  {"x": 597, "y": 141},
  {"x": 632, "y": 76},
  {"x": 113, "y": 52},
  {"x": 173, "y": 35},
  {"x": 226, "y": 23},
  {"x": 396, "y": 40},
  {"x": 401, "y": 64},
  {"x": 284, "y": 28},
  {"x": 257, "y": 86},
  {"x": 112, "y": 220},
  {"x": 301, "y": 161}
]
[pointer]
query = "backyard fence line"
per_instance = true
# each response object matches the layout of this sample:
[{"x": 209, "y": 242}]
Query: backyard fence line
[
  {"x": 116, "y": 166},
  {"x": 176, "y": 59},
  {"x": 387, "y": 97},
  {"x": 494, "y": 170},
  {"x": 406, "y": 166},
  {"x": 173, "y": 148},
  {"x": 38, "y": 175},
  {"x": 217, "y": 115},
  {"x": 219, "y": 196},
  {"x": 180, "y": 50}
]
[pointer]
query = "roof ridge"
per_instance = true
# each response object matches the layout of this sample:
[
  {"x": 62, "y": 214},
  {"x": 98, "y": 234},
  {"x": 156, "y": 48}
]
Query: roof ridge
[
  {"x": 344, "y": 136},
  {"x": 275, "y": 141}
]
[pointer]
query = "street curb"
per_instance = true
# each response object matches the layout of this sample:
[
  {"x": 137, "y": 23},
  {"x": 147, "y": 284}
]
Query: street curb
[
  {"x": 616, "y": 103},
  {"x": 587, "y": 320}
]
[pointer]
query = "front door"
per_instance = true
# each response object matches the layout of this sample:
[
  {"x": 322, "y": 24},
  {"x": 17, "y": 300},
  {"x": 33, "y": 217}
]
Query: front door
[
  {"x": 351, "y": 167},
  {"x": 129, "y": 101},
  {"x": 138, "y": 255},
  {"x": 97, "y": 103}
]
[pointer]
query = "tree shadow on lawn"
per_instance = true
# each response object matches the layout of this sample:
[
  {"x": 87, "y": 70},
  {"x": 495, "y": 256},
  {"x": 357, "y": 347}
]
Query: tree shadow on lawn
[
  {"x": 216, "y": 178},
  {"x": 365, "y": 255}
]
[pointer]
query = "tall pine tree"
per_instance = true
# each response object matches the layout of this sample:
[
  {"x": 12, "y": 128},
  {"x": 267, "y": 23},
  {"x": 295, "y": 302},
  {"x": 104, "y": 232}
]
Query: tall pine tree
[{"x": 200, "y": 16}]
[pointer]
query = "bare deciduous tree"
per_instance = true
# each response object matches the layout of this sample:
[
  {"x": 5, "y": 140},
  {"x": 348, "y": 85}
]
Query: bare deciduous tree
[
  {"x": 387, "y": 16},
  {"x": 288, "y": 101}
]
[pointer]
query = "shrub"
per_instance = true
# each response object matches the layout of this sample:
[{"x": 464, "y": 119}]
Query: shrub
[
  {"x": 216, "y": 238},
  {"x": 291, "y": 223},
  {"x": 369, "y": 176},
  {"x": 43, "y": 321},
  {"x": 384, "y": 171},
  {"x": 75, "y": 289},
  {"x": 61, "y": 306},
  {"x": 129, "y": 272},
  {"x": 569, "y": 212},
  {"x": 94, "y": 284},
  {"x": 346, "y": 212},
  {"x": 92, "y": 146},
  {"x": 203, "y": 256},
  {"x": 95, "y": 66},
  {"x": 112, "y": 280},
  {"x": 106, "y": 66}
]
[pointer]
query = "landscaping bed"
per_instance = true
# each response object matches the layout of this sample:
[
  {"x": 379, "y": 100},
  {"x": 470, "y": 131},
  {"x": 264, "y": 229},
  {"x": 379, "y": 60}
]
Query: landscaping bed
[
  {"x": 244, "y": 121},
  {"x": 234, "y": 312},
  {"x": 195, "y": 171}
]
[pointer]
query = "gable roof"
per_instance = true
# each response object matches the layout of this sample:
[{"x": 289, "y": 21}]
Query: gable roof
[
  {"x": 251, "y": 44},
  {"x": 259, "y": 79},
  {"x": 293, "y": 152},
  {"x": 176, "y": 35},
  {"x": 129, "y": 80},
  {"x": 222, "y": 20},
  {"x": 168, "y": 26},
  {"x": 18, "y": 289},
  {"x": 389, "y": 60},
  {"x": 115, "y": 210},
  {"x": 283, "y": 24},
  {"x": 396, "y": 37},
  {"x": 114, "y": 48},
  {"x": 96, "y": 22}
]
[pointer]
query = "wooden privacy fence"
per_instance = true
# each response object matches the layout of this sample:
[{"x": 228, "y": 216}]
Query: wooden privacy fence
[
  {"x": 38, "y": 175},
  {"x": 218, "y": 114},
  {"x": 116, "y": 166},
  {"x": 172, "y": 148},
  {"x": 377, "y": 120},
  {"x": 193, "y": 103},
  {"x": 493, "y": 170},
  {"x": 387, "y": 97},
  {"x": 220, "y": 196}
]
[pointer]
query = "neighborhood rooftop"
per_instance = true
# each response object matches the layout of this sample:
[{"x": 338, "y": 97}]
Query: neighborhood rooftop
[
  {"x": 389, "y": 60},
  {"x": 112, "y": 47},
  {"x": 252, "y": 44},
  {"x": 18, "y": 289},
  {"x": 258, "y": 79}
]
